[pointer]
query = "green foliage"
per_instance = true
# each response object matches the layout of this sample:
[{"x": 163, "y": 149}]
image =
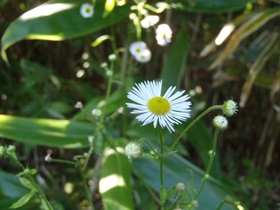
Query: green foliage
[{"x": 86, "y": 151}]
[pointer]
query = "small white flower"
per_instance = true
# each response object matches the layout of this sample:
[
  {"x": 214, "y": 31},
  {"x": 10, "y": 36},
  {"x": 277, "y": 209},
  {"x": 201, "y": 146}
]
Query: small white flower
[
  {"x": 87, "y": 10},
  {"x": 136, "y": 47},
  {"x": 144, "y": 56},
  {"x": 163, "y": 34},
  {"x": 149, "y": 21},
  {"x": 140, "y": 51},
  {"x": 151, "y": 107}
]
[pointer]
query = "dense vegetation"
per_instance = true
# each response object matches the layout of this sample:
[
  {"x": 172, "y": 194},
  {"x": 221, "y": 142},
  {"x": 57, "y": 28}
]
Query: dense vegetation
[{"x": 66, "y": 69}]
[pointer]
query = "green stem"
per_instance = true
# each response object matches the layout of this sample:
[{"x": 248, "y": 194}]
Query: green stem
[
  {"x": 34, "y": 183},
  {"x": 161, "y": 157},
  {"x": 89, "y": 194},
  {"x": 227, "y": 202},
  {"x": 149, "y": 145},
  {"x": 90, "y": 152},
  {"x": 63, "y": 161},
  {"x": 190, "y": 125},
  {"x": 212, "y": 155}
]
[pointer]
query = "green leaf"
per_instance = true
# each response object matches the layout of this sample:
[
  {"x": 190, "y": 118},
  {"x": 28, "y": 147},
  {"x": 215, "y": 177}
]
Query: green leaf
[
  {"x": 175, "y": 62},
  {"x": 114, "y": 186},
  {"x": 48, "y": 132},
  {"x": 58, "y": 20},
  {"x": 23, "y": 200},
  {"x": 254, "y": 22},
  {"x": 177, "y": 169},
  {"x": 25, "y": 182},
  {"x": 213, "y": 6},
  {"x": 100, "y": 39}
]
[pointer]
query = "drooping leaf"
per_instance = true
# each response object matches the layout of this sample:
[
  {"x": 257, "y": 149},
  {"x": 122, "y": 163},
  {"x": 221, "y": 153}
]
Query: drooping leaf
[
  {"x": 213, "y": 6},
  {"x": 58, "y": 20},
  {"x": 272, "y": 42},
  {"x": 176, "y": 169},
  {"x": 23, "y": 200},
  {"x": 256, "y": 21},
  {"x": 48, "y": 132},
  {"x": 114, "y": 184}
]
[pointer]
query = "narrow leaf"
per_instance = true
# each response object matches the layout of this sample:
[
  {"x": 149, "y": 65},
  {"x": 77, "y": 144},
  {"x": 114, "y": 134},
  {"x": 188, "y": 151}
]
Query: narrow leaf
[
  {"x": 115, "y": 185},
  {"x": 25, "y": 182},
  {"x": 23, "y": 200},
  {"x": 48, "y": 132},
  {"x": 254, "y": 23}
]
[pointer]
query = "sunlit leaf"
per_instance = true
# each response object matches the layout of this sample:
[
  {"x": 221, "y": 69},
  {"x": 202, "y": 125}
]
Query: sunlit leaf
[
  {"x": 23, "y": 200},
  {"x": 256, "y": 21},
  {"x": 109, "y": 7},
  {"x": 48, "y": 132},
  {"x": 114, "y": 185},
  {"x": 100, "y": 39},
  {"x": 58, "y": 20}
]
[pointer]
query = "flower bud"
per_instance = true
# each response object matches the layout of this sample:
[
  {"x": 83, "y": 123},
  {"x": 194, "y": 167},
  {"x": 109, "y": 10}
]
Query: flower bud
[
  {"x": 96, "y": 113},
  {"x": 104, "y": 65},
  {"x": 2, "y": 151},
  {"x": 220, "y": 122},
  {"x": 133, "y": 150},
  {"x": 112, "y": 57},
  {"x": 230, "y": 108},
  {"x": 180, "y": 186}
]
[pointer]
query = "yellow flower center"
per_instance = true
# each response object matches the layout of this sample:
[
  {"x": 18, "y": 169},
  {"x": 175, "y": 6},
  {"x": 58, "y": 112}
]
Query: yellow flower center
[{"x": 159, "y": 105}]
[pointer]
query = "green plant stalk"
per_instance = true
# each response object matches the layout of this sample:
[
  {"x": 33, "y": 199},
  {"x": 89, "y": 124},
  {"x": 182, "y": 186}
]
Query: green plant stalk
[
  {"x": 63, "y": 161},
  {"x": 89, "y": 194},
  {"x": 190, "y": 125},
  {"x": 149, "y": 145},
  {"x": 34, "y": 183},
  {"x": 162, "y": 190},
  {"x": 89, "y": 154},
  {"x": 227, "y": 202},
  {"x": 212, "y": 155}
]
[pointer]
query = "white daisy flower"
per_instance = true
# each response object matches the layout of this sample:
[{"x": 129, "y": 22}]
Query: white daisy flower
[
  {"x": 140, "y": 51},
  {"x": 163, "y": 34},
  {"x": 136, "y": 47},
  {"x": 144, "y": 56},
  {"x": 87, "y": 10},
  {"x": 151, "y": 107},
  {"x": 149, "y": 21}
]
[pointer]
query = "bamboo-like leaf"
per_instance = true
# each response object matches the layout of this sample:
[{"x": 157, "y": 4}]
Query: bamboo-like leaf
[
  {"x": 48, "y": 132},
  {"x": 114, "y": 184},
  {"x": 213, "y": 6},
  {"x": 272, "y": 42},
  {"x": 254, "y": 23},
  {"x": 58, "y": 20},
  {"x": 23, "y": 200}
]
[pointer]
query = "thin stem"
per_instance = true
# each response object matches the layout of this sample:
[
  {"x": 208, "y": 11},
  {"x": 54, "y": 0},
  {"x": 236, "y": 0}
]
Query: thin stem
[
  {"x": 226, "y": 202},
  {"x": 89, "y": 194},
  {"x": 63, "y": 161},
  {"x": 149, "y": 145},
  {"x": 161, "y": 157},
  {"x": 90, "y": 152},
  {"x": 212, "y": 155},
  {"x": 34, "y": 183},
  {"x": 190, "y": 125}
]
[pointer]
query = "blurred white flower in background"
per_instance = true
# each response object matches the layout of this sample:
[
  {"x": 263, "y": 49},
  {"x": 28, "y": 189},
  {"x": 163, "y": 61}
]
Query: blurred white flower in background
[
  {"x": 140, "y": 51},
  {"x": 163, "y": 34},
  {"x": 149, "y": 21},
  {"x": 87, "y": 10}
]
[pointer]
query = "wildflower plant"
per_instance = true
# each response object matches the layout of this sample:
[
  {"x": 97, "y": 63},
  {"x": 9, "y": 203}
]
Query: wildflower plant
[{"x": 105, "y": 128}]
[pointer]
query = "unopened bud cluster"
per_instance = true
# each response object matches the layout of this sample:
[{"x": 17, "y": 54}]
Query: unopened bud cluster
[
  {"x": 229, "y": 109},
  {"x": 133, "y": 150}
]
